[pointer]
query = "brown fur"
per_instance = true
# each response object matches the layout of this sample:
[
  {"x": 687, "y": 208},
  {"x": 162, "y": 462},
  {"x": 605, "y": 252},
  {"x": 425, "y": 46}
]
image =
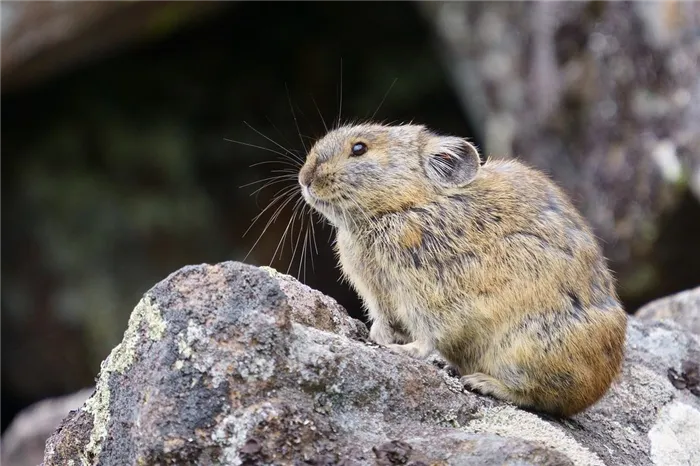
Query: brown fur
[{"x": 490, "y": 265}]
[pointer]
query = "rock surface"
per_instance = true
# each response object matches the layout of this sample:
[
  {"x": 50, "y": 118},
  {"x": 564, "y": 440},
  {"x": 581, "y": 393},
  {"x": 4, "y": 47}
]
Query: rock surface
[
  {"x": 24, "y": 440},
  {"x": 604, "y": 96},
  {"x": 232, "y": 364},
  {"x": 314, "y": 309},
  {"x": 682, "y": 308}
]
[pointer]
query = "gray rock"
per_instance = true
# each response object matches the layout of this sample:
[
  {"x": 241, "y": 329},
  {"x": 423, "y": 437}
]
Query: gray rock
[
  {"x": 231, "y": 364},
  {"x": 24, "y": 439},
  {"x": 314, "y": 309},
  {"x": 682, "y": 308}
]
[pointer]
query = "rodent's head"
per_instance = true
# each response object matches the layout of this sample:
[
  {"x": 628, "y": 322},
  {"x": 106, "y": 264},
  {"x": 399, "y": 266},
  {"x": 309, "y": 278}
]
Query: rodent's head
[{"x": 363, "y": 171}]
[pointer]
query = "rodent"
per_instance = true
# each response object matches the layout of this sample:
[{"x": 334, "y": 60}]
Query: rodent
[{"x": 489, "y": 264}]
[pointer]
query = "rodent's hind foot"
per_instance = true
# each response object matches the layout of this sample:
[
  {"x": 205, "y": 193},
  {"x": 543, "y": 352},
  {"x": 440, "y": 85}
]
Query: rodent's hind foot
[
  {"x": 489, "y": 386},
  {"x": 416, "y": 349}
]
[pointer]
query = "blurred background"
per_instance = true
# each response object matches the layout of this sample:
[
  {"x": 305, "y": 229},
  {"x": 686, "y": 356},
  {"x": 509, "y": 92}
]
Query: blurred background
[{"x": 115, "y": 171}]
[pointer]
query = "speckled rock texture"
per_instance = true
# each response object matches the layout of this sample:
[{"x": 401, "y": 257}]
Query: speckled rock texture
[
  {"x": 233, "y": 364},
  {"x": 604, "y": 96},
  {"x": 682, "y": 308}
]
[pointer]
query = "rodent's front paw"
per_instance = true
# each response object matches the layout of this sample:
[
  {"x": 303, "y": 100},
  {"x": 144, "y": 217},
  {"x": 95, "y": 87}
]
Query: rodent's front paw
[
  {"x": 416, "y": 349},
  {"x": 381, "y": 333}
]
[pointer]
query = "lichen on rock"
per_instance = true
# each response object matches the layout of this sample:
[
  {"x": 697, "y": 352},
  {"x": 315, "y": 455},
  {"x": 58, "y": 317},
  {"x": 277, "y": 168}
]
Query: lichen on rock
[{"x": 120, "y": 359}]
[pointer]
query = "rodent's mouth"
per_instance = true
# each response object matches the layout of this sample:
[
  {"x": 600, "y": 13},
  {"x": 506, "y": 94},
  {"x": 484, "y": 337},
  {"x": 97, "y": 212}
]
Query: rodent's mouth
[
  {"x": 324, "y": 207},
  {"x": 332, "y": 211},
  {"x": 313, "y": 199}
]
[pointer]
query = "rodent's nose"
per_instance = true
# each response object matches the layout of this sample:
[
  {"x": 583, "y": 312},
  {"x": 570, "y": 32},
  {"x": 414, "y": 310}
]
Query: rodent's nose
[{"x": 307, "y": 172}]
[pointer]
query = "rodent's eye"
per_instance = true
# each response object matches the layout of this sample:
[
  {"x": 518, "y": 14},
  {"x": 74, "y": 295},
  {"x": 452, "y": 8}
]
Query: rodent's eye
[{"x": 359, "y": 148}]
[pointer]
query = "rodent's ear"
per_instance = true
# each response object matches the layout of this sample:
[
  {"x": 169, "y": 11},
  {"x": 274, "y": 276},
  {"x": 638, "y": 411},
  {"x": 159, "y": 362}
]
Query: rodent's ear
[{"x": 451, "y": 161}]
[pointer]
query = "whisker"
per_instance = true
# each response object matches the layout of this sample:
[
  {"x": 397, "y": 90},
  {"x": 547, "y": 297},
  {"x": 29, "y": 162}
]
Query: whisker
[
  {"x": 279, "y": 195},
  {"x": 306, "y": 239},
  {"x": 290, "y": 223},
  {"x": 384, "y": 98},
  {"x": 313, "y": 265},
  {"x": 292, "y": 154},
  {"x": 267, "y": 225},
  {"x": 283, "y": 162},
  {"x": 283, "y": 159},
  {"x": 313, "y": 232},
  {"x": 281, "y": 240},
  {"x": 340, "y": 106},
  {"x": 325, "y": 127},
  {"x": 283, "y": 193},
  {"x": 258, "y": 147},
  {"x": 293, "y": 217},
  {"x": 278, "y": 212},
  {"x": 276, "y": 177},
  {"x": 289, "y": 144},
  {"x": 285, "y": 170},
  {"x": 271, "y": 183},
  {"x": 296, "y": 123},
  {"x": 301, "y": 112},
  {"x": 303, "y": 256}
]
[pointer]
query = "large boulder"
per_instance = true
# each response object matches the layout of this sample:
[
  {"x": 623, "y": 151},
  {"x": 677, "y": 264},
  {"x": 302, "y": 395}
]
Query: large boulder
[
  {"x": 233, "y": 364},
  {"x": 682, "y": 308},
  {"x": 603, "y": 96}
]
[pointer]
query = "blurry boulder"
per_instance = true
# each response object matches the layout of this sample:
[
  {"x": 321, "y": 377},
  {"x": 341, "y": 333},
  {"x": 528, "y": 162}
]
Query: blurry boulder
[
  {"x": 25, "y": 438},
  {"x": 683, "y": 308},
  {"x": 66, "y": 221},
  {"x": 40, "y": 39},
  {"x": 232, "y": 364},
  {"x": 604, "y": 96}
]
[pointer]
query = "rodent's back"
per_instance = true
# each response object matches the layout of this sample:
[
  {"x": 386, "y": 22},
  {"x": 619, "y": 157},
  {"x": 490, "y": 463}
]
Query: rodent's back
[
  {"x": 541, "y": 289},
  {"x": 513, "y": 224}
]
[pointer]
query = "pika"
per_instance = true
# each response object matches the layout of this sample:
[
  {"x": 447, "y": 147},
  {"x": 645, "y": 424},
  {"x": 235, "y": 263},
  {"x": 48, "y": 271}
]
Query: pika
[{"x": 489, "y": 264}]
